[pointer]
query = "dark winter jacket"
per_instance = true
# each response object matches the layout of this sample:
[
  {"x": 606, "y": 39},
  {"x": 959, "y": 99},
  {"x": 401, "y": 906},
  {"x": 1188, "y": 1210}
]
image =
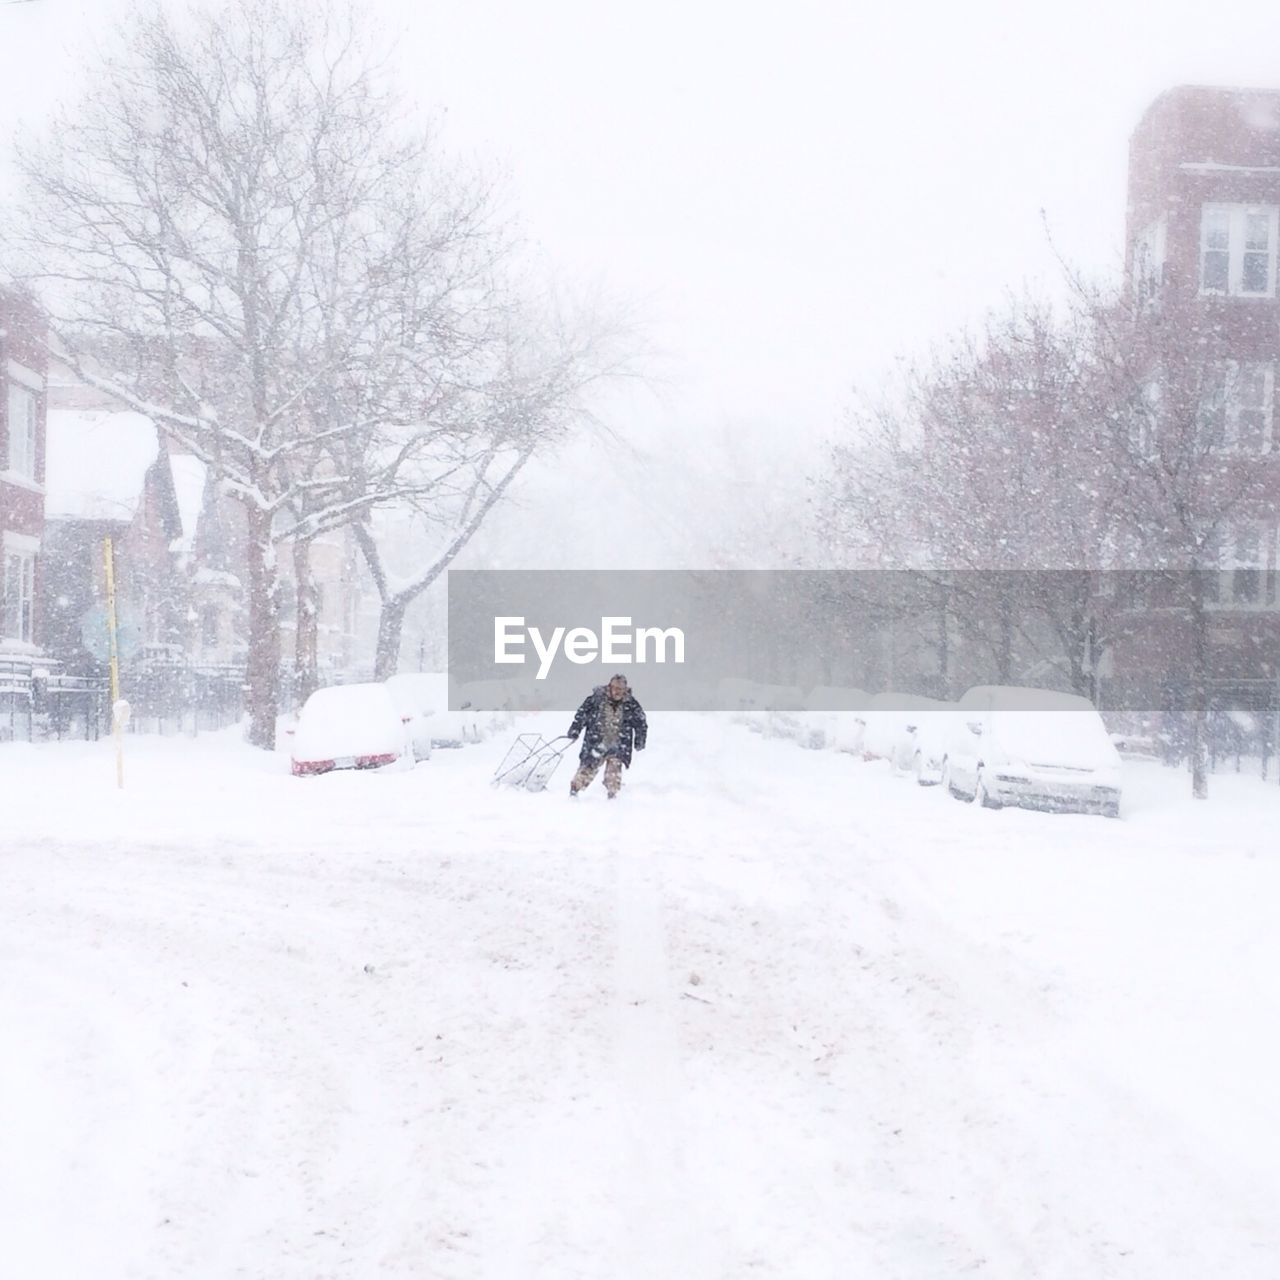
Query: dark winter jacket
[{"x": 590, "y": 722}]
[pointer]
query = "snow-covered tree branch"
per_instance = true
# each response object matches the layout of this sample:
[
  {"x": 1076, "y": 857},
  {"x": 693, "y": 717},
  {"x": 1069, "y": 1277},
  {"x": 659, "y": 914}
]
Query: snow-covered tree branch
[{"x": 238, "y": 235}]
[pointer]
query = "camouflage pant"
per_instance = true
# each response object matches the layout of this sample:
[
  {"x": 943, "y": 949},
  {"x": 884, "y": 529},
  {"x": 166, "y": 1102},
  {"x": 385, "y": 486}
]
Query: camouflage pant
[{"x": 588, "y": 769}]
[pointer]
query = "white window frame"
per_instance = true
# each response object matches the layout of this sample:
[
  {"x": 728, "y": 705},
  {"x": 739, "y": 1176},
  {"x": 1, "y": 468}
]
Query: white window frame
[
  {"x": 24, "y": 430},
  {"x": 1254, "y": 562},
  {"x": 1143, "y": 429},
  {"x": 1237, "y": 221},
  {"x": 17, "y": 618},
  {"x": 1263, "y": 562},
  {"x": 1233, "y": 407},
  {"x": 1149, "y": 258},
  {"x": 1236, "y": 407}
]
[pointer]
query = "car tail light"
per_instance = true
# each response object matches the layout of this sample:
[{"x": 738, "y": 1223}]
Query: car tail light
[{"x": 301, "y": 768}]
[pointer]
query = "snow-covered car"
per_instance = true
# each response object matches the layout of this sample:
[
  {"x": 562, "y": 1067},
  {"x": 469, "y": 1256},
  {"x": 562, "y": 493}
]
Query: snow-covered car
[
  {"x": 348, "y": 726},
  {"x": 741, "y": 698},
  {"x": 763, "y": 708},
  {"x": 493, "y": 703},
  {"x": 1034, "y": 748},
  {"x": 781, "y": 716},
  {"x": 1137, "y": 746},
  {"x": 525, "y": 694},
  {"x": 909, "y": 731},
  {"x": 423, "y": 698},
  {"x": 835, "y": 719},
  {"x": 928, "y": 726},
  {"x": 415, "y": 697},
  {"x": 881, "y": 739}
]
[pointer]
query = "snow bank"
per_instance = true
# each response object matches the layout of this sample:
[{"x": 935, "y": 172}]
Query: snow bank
[{"x": 770, "y": 1014}]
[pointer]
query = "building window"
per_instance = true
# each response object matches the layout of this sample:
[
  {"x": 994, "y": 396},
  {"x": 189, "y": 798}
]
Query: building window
[
  {"x": 1236, "y": 407},
  {"x": 1148, "y": 261},
  {"x": 1255, "y": 273},
  {"x": 1238, "y": 250},
  {"x": 1213, "y": 409},
  {"x": 19, "y": 595},
  {"x": 22, "y": 431},
  {"x": 1142, "y": 424},
  {"x": 1246, "y": 565},
  {"x": 1208, "y": 566},
  {"x": 1245, "y": 575},
  {"x": 1250, "y": 407}
]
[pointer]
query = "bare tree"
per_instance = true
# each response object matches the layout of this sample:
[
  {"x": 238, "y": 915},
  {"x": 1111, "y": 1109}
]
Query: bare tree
[
  {"x": 238, "y": 239},
  {"x": 524, "y": 387},
  {"x": 1185, "y": 438},
  {"x": 982, "y": 466}
]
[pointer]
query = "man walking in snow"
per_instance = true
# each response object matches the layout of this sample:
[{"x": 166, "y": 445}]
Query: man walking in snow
[{"x": 611, "y": 722}]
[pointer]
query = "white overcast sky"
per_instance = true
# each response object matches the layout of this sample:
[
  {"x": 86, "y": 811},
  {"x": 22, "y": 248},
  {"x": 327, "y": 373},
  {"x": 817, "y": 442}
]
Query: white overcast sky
[{"x": 800, "y": 192}]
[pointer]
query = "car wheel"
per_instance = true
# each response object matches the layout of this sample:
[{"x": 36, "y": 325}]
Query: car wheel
[
  {"x": 981, "y": 795},
  {"x": 948, "y": 781}
]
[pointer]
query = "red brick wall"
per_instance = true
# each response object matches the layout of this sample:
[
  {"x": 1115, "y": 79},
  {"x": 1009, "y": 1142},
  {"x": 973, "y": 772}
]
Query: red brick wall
[
  {"x": 22, "y": 334},
  {"x": 21, "y": 510},
  {"x": 23, "y": 329},
  {"x": 1195, "y": 125},
  {"x": 1198, "y": 126},
  {"x": 1203, "y": 126}
]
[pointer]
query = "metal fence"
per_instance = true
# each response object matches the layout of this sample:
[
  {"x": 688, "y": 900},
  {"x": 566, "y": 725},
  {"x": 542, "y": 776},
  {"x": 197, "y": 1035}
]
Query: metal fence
[
  {"x": 15, "y": 700},
  {"x": 1242, "y": 729},
  {"x": 70, "y": 707},
  {"x": 37, "y": 703},
  {"x": 166, "y": 695}
]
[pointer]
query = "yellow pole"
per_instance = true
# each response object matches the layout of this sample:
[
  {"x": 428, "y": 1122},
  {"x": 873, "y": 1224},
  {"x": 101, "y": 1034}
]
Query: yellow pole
[{"x": 117, "y": 721}]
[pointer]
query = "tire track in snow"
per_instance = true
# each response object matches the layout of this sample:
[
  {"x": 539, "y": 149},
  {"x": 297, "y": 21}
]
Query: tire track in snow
[
  {"x": 993, "y": 1186},
  {"x": 663, "y": 1236}
]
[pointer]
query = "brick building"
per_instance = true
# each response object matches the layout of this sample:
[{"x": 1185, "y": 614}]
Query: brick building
[
  {"x": 23, "y": 367},
  {"x": 1203, "y": 238},
  {"x": 1203, "y": 231}
]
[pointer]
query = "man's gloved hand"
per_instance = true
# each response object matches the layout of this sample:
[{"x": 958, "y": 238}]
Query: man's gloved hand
[{"x": 573, "y": 737}]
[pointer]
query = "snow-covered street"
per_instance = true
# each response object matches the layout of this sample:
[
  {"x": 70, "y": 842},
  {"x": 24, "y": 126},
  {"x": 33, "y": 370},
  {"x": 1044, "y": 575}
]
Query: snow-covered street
[{"x": 774, "y": 1013}]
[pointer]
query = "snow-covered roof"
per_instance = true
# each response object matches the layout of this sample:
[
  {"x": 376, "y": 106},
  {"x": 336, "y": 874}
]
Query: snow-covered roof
[
  {"x": 96, "y": 462},
  {"x": 189, "y": 476}
]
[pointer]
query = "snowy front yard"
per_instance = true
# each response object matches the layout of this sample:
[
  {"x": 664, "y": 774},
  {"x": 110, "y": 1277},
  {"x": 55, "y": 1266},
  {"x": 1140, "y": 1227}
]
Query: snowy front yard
[{"x": 774, "y": 1013}]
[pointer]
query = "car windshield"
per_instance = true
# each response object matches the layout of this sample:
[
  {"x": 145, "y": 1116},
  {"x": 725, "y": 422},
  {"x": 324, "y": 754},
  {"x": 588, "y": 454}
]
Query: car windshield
[{"x": 1074, "y": 738}]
